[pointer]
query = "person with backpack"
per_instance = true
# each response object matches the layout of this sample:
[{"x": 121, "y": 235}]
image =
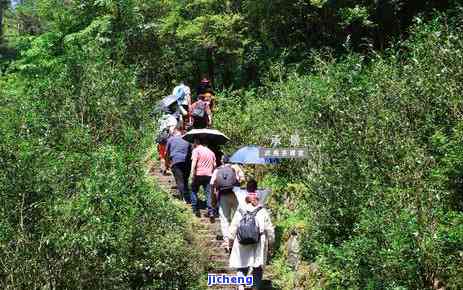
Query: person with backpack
[
  {"x": 183, "y": 95},
  {"x": 253, "y": 234},
  {"x": 200, "y": 114},
  {"x": 167, "y": 123},
  {"x": 210, "y": 98},
  {"x": 223, "y": 179},
  {"x": 179, "y": 154},
  {"x": 203, "y": 163}
]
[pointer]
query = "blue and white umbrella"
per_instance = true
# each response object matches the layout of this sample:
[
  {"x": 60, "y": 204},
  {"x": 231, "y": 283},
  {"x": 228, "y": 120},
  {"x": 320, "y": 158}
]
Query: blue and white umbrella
[{"x": 250, "y": 155}]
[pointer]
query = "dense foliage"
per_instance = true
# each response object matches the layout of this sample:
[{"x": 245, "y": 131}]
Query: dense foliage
[
  {"x": 380, "y": 199},
  {"x": 234, "y": 42},
  {"x": 372, "y": 87},
  {"x": 77, "y": 208}
]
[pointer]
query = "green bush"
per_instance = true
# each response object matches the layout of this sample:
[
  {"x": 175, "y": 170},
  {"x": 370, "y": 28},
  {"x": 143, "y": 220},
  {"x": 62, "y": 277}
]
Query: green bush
[
  {"x": 384, "y": 176},
  {"x": 78, "y": 210}
]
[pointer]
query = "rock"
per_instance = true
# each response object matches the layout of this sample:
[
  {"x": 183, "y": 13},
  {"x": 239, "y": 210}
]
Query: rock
[
  {"x": 314, "y": 269},
  {"x": 293, "y": 251}
]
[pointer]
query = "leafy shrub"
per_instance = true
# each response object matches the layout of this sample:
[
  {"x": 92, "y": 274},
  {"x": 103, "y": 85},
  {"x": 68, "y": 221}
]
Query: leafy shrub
[
  {"x": 78, "y": 211},
  {"x": 383, "y": 178}
]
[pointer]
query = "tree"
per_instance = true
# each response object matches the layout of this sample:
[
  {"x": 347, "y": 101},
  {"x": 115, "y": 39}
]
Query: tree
[{"x": 3, "y": 6}]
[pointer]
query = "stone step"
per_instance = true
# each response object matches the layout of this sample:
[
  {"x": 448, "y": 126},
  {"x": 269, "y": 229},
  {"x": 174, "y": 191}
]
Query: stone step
[
  {"x": 220, "y": 267},
  {"x": 223, "y": 287},
  {"x": 214, "y": 244},
  {"x": 206, "y": 237},
  {"x": 213, "y": 228},
  {"x": 218, "y": 257}
]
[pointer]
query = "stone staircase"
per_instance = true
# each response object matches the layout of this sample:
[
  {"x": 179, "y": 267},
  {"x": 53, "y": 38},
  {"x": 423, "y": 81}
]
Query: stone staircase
[{"x": 207, "y": 233}]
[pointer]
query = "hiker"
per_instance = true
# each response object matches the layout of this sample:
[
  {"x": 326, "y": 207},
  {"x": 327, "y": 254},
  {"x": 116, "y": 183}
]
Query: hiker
[
  {"x": 167, "y": 123},
  {"x": 224, "y": 178},
  {"x": 204, "y": 85},
  {"x": 210, "y": 98},
  {"x": 183, "y": 94},
  {"x": 202, "y": 165},
  {"x": 253, "y": 234},
  {"x": 179, "y": 155},
  {"x": 239, "y": 173},
  {"x": 200, "y": 114},
  {"x": 217, "y": 152}
]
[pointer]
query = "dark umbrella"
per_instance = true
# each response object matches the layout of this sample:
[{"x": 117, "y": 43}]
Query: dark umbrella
[
  {"x": 211, "y": 136},
  {"x": 165, "y": 103}
]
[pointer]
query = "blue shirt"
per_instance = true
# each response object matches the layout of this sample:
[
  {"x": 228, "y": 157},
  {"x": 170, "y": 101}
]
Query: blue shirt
[{"x": 178, "y": 149}]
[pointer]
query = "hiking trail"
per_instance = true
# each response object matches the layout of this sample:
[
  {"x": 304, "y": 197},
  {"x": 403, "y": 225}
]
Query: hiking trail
[{"x": 207, "y": 232}]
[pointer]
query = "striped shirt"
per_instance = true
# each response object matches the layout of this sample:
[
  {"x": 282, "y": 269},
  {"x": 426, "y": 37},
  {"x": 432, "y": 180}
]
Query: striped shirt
[{"x": 205, "y": 160}]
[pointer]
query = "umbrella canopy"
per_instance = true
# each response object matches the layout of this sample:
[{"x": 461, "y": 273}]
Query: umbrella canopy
[
  {"x": 169, "y": 100},
  {"x": 163, "y": 105},
  {"x": 241, "y": 195},
  {"x": 250, "y": 155},
  {"x": 211, "y": 136}
]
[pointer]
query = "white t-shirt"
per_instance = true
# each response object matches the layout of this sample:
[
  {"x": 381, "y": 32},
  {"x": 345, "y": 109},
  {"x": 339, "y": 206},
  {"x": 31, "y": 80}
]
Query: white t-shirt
[{"x": 167, "y": 121}]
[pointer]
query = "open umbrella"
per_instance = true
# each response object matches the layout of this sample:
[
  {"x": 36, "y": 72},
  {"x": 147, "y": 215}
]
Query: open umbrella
[
  {"x": 163, "y": 105},
  {"x": 167, "y": 101},
  {"x": 241, "y": 195},
  {"x": 211, "y": 136},
  {"x": 250, "y": 155}
]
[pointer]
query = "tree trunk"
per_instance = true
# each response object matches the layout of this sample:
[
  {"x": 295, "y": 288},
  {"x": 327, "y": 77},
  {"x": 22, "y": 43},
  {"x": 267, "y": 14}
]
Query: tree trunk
[
  {"x": 210, "y": 63},
  {"x": 227, "y": 73},
  {"x": 3, "y": 4}
]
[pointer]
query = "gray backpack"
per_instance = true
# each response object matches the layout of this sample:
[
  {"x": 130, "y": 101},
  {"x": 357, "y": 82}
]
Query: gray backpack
[
  {"x": 248, "y": 232},
  {"x": 226, "y": 178},
  {"x": 200, "y": 110}
]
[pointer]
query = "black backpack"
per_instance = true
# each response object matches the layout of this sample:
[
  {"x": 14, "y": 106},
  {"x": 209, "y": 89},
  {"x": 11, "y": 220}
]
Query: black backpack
[
  {"x": 200, "y": 110},
  {"x": 226, "y": 178},
  {"x": 248, "y": 232}
]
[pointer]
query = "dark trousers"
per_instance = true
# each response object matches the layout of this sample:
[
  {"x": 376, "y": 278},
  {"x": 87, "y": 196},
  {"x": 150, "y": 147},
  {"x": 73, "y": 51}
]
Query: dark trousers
[
  {"x": 200, "y": 123},
  {"x": 181, "y": 173},
  {"x": 203, "y": 181},
  {"x": 257, "y": 274}
]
